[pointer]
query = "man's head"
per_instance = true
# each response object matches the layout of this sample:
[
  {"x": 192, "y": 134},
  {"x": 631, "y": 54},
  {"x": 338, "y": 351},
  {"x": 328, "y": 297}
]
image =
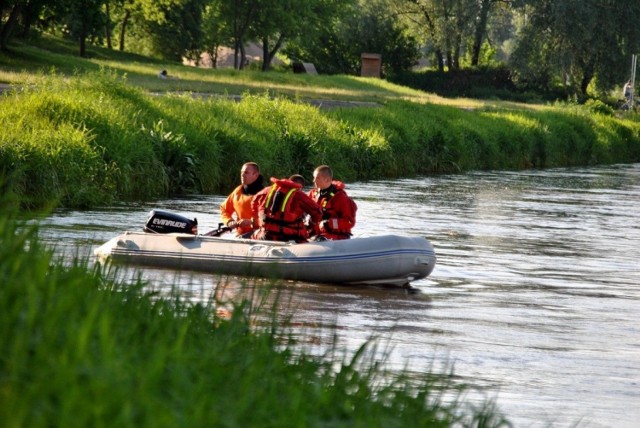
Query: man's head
[
  {"x": 297, "y": 178},
  {"x": 249, "y": 173},
  {"x": 322, "y": 177}
]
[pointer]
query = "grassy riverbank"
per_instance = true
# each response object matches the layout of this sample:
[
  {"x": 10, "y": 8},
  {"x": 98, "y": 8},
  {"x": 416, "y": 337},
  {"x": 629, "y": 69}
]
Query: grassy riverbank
[
  {"x": 87, "y": 139},
  {"x": 81, "y": 349},
  {"x": 92, "y": 139}
]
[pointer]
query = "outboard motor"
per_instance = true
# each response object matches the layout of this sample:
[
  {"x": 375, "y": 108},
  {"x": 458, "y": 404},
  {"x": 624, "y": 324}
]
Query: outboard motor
[{"x": 166, "y": 222}]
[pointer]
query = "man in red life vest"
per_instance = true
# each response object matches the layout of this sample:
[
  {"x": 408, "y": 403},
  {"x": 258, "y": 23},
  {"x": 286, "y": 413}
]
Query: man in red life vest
[
  {"x": 338, "y": 209},
  {"x": 281, "y": 210},
  {"x": 236, "y": 211}
]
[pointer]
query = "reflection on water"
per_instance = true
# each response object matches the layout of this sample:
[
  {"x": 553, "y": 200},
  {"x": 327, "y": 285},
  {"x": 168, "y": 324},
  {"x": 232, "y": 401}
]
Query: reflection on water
[{"x": 534, "y": 299}]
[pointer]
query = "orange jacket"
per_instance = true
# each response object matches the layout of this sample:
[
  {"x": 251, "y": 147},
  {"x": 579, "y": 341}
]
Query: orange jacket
[{"x": 239, "y": 204}]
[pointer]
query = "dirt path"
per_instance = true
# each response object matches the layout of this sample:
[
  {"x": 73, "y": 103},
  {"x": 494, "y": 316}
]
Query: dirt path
[
  {"x": 320, "y": 103},
  {"x": 324, "y": 104}
]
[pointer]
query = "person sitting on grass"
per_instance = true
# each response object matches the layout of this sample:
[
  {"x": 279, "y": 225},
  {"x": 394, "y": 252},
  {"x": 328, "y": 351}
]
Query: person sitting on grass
[{"x": 165, "y": 75}]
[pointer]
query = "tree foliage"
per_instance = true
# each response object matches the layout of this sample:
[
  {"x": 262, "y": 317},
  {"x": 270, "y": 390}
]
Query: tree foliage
[
  {"x": 18, "y": 17},
  {"x": 335, "y": 45},
  {"x": 214, "y": 31},
  {"x": 277, "y": 21},
  {"x": 175, "y": 28},
  {"x": 80, "y": 20},
  {"x": 10, "y": 11},
  {"x": 451, "y": 29},
  {"x": 170, "y": 29},
  {"x": 239, "y": 15},
  {"x": 565, "y": 42}
]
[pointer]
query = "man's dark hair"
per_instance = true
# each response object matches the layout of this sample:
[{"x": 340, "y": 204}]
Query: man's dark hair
[{"x": 297, "y": 178}]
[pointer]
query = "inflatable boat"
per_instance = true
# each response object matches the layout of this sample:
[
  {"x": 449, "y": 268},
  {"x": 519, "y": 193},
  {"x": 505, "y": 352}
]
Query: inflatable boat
[{"x": 387, "y": 259}]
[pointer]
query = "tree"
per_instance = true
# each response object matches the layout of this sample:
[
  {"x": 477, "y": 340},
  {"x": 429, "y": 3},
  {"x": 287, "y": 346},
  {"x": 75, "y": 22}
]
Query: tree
[
  {"x": 279, "y": 20},
  {"x": 335, "y": 45},
  {"x": 480, "y": 32},
  {"x": 13, "y": 9},
  {"x": 562, "y": 42},
  {"x": 170, "y": 29},
  {"x": 378, "y": 31},
  {"x": 80, "y": 19},
  {"x": 453, "y": 30},
  {"x": 274, "y": 21},
  {"x": 175, "y": 28},
  {"x": 214, "y": 31},
  {"x": 324, "y": 42},
  {"x": 124, "y": 12},
  {"x": 31, "y": 14},
  {"x": 239, "y": 15},
  {"x": 444, "y": 25},
  {"x": 123, "y": 23},
  {"x": 107, "y": 29}
]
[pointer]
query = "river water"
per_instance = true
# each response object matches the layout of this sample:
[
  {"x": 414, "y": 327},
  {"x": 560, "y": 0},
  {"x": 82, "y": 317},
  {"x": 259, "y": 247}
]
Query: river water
[{"x": 534, "y": 300}]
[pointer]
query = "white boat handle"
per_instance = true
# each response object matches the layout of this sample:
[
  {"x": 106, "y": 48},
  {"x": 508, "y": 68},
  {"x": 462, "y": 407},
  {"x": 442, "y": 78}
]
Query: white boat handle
[{"x": 276, "y": 252}]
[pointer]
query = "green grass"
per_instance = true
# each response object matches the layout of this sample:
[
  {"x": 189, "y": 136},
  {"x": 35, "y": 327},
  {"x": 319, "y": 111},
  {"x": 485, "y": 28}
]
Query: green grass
[
  {"x": 92, "y": 132},
  {"x": 82, "y": 348},
  {"x": 26, "y": 61}
]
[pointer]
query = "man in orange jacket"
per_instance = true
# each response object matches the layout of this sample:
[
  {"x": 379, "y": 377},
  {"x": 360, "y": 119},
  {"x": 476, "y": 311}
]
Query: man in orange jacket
[
  {"x": 236, "y": 210},
  {"x": 338, "y": 209}
]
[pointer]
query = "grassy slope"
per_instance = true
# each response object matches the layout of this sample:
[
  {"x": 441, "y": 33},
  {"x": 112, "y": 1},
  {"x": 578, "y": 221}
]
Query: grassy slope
[
  {"x": 84, "y": 135},
  {"x": 25, "y": 62}
]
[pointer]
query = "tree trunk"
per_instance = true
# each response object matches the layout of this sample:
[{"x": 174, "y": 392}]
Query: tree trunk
[
  {"x": 267, "y": 55},
  {"x": 457, "y": 48},
  {"x": 440, "y": 58},
  {"x": 108, "y": 24},
  {"x": 236, "y": 51},
  {"x": 123, "y": 28},
  {"x": 239, "y": 55},
  {"x": 432, "y": 32},
  {"x": 481, "y": 29},
  {"x": 450, "y": 60},
  {"x": 7, "y": 29},
  {"x": 213, "y": 54},
  {"x": 29, "y": 14},
  {"x": 243, "y": 56},
  {"x": 83, "y": 45},
  {"x": 587, "y": 76}
]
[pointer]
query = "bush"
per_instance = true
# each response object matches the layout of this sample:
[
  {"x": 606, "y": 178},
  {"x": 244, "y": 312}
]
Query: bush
[
  {"x": 468, "y": 82},
  {"x": 597, "y": 106}
]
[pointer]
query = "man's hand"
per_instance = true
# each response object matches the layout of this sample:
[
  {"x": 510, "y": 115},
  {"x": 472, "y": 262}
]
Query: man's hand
[
  {"x": 245, "y": 222},
  {"x": 240, "y": 223}
]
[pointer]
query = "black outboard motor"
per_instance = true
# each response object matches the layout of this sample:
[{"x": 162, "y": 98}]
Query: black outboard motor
[{"x": 166, "y": 222}]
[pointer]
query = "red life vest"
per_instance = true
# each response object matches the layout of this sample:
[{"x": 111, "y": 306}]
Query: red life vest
[
  {"x": 281, "y": 221},
  {"x": 339, "y": 211}
]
